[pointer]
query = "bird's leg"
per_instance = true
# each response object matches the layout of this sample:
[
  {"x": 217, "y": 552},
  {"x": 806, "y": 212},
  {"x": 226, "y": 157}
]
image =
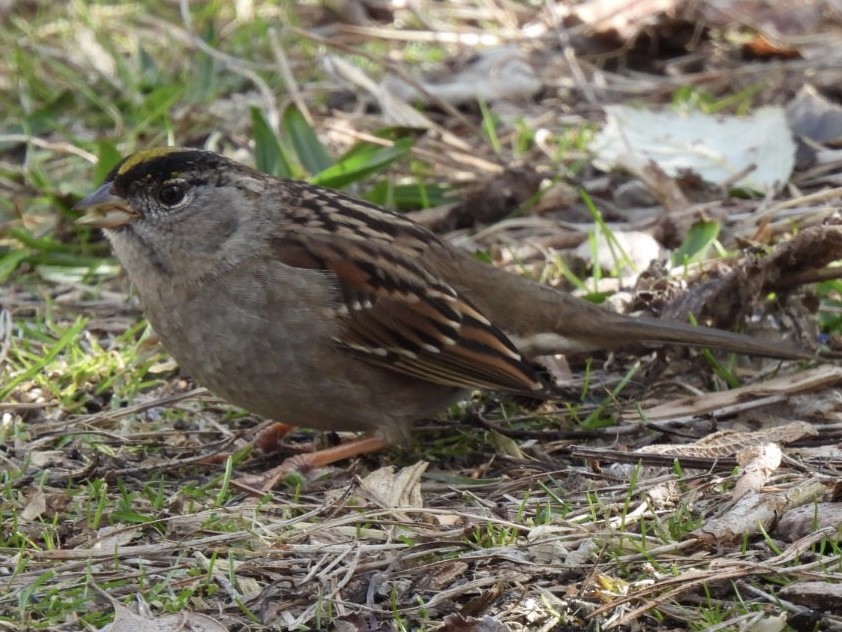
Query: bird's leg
[
  {"x": 268, "y": 438},
  {"x": 266, "y": 481}
]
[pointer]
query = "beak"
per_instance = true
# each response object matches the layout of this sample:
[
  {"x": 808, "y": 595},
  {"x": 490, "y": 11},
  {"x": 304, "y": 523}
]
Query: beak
[{"x": 104, "y": 209}]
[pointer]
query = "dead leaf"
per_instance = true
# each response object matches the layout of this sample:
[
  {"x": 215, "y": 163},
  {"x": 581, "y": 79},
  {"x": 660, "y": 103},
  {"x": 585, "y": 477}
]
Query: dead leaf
[
  {"x": 45, "y": 458},
  {"x": 753, "y": 512},
  {"x": 185, "y": 621},
  {"x": 801, "y": 521},
  {"x": 35, "y": 506},
  {"x": 761, "y": 47},
  {"x": 497, "y": 74},
  {"x": 813, "y": 116},
  {"x": 758, "y": 463},
  {"x": 755, "y": 152},
  {"x": 110, "y": 538},
  {"x": 756, "y": 512},
  {"x": 546, "y": 544},
  {"x": 815, "y": 119},
  {"x": 390, "y": 489},
  {"x": 505, "y": 446},
  {"x": 825, "y": 596},
  {"x": 42, "y": 504}
]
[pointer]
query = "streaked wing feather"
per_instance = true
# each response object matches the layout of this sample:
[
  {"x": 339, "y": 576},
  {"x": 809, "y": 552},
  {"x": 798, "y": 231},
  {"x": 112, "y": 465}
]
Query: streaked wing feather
[{"x": 400, "y": 316}]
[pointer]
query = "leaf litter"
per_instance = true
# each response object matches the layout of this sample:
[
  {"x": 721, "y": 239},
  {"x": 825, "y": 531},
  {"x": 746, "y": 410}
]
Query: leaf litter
[{"x": 454, "y": 533}]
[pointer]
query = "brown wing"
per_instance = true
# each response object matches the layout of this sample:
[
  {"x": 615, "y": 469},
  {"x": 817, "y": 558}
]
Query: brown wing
[{"x": 396, "y": 313}]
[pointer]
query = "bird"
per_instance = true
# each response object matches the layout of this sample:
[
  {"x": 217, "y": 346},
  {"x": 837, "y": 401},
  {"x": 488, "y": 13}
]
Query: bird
[{"x": 304, "y": 304}]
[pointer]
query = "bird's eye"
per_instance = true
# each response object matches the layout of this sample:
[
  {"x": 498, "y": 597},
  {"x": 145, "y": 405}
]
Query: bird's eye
[{"x": 172, "y": 193}]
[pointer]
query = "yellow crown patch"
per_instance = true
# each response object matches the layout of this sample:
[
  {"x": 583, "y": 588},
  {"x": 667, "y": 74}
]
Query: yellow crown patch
[{"x": 144, "y": 155}]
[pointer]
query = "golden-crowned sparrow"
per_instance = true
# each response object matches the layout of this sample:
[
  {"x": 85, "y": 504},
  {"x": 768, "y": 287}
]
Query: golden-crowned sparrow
[{"x": 307, "y": 305}]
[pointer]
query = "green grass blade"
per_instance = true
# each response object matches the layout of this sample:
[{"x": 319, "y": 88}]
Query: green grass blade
[
  {"x": 406, "y": 197},
  {"x": 69, "y": 336},
  {"x": 696, "y": 244},
  {"x": 308, "y": 148},
  {"x": 107, "y": 157},
  {"x": 360, "y": 161},
  {"x": 9, "y": 262},
  {"x": 269, "y": 156}
]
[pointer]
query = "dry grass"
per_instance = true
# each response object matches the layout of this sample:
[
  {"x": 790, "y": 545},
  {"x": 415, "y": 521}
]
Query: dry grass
[{"x": 115, "y": 483}]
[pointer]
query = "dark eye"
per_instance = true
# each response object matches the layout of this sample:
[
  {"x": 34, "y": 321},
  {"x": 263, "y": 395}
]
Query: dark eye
[{"x": 172, "y": 193}]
